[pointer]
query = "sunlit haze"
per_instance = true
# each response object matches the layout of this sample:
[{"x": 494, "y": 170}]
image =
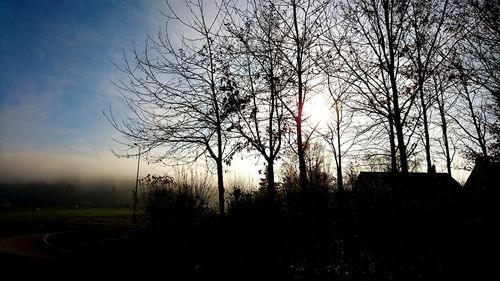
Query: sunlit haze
[
  {"x": 250, "y": 140},
  {"x": 55, "y": 82},
  {"x": 56, "y": 61},
  {"x": 318, "y": 110}
]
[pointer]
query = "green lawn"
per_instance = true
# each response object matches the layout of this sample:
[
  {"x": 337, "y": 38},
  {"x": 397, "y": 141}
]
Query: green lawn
[{"x": 90, "y": 214}]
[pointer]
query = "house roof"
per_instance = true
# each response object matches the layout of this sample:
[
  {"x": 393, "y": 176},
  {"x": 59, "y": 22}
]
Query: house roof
[
  {"x": 485, "y": 175},
  {"x": 411, "y": 182}
]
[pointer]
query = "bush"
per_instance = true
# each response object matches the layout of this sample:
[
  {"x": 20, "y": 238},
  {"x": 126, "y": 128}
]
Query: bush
[{"x": 168, "y": 203}]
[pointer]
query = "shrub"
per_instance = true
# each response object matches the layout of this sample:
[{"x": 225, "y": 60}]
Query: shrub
[{"x": 168, "y": 203}]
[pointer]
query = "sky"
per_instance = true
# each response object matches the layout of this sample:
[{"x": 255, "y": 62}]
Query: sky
[
  {"x": 56, "y": 70},
  {"x": 55, "y": 81}
]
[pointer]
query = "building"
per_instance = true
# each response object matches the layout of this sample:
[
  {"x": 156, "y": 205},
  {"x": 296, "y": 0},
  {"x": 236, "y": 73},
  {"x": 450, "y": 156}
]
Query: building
[
  {"x": 485, "y": 177},
  {"x": 411, "y": 184}
]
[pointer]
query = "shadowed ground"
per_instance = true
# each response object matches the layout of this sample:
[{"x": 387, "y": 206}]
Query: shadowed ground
[
  {"x": 361, "y": 235},
  {"x": 26, "y": 245}
]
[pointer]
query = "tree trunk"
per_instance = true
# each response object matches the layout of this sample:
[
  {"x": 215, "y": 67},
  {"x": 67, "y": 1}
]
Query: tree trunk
[
  {"x": 394, "y": 162},
  {"x": 399, "y": 133},
  {"x": 271, "y": 190},
  {"x": 426, "y": 127},
  {"x": 220, "y": 186},
  {"x": 300, "y": 99},
  {"x": 477, "y": 126},
  {"x": 395, "y": 98},
  {"x": 340, "y": 182},
  {"x": 420, "y": 69},
  {"x": 270, "y": 161},
  {"x": 444, "y": 127},
  {"x": 218, "y": 160},
  {"x": 302, "y": 161},
  {"x": 446, "y": 144}
]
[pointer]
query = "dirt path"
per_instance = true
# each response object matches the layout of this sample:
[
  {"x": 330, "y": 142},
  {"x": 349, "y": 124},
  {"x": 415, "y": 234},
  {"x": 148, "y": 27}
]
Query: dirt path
[{"x": 24, "y": 246}]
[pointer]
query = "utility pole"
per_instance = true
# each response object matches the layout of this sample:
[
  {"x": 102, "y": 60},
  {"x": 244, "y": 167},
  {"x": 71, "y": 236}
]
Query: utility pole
[{"x": 134, "y": 217}]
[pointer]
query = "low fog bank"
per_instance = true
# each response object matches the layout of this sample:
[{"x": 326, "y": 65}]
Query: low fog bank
[
  {"x": 25, "y": 167},
  {"x": 67, "y": 193}
]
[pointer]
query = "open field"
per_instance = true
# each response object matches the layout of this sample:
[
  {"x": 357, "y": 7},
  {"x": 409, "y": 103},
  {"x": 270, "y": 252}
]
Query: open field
[
  {"x": 81, "y": 214},
  {"x": 45, "y": 220},
  {"x": 24, "y": 253}
]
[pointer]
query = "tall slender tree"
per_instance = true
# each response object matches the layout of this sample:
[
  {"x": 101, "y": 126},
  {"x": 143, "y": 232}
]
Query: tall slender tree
[
  {"x": 445, "y": 101},
  {"x": 484, "y": 48},
  {"x": 371, "y": 47},
  {"x": 473, "y": 115},
  {"x": 173, "y": 96},
  {"x": 432, "y": 38},
  {"x": 258, "y": 70},
  {"x": 302, "y": 20}
]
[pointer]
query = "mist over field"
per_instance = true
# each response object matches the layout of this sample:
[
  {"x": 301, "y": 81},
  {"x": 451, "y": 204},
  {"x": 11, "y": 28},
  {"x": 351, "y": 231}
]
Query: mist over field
[
  {"x": 47, "y": 166},
  {"x": 66, "y": 180},
  {"x": 250, "y": 140},
  {"x": 67, "y": 193}
]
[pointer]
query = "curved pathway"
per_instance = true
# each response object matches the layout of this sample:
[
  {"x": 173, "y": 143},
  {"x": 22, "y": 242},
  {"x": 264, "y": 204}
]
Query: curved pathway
[{"x": 25, "y": 245}]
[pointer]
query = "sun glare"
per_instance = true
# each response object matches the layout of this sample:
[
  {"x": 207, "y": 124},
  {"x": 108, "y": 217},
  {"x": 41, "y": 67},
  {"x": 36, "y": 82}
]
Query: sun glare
[{"x": 317, "y": 111}]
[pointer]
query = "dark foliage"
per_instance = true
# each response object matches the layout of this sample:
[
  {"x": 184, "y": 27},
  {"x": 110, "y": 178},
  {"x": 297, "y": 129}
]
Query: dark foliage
[
  {"x": 408, "y": 231},
  {"x": 405, "y": 227},
  {"x": 168, "y": 204}
]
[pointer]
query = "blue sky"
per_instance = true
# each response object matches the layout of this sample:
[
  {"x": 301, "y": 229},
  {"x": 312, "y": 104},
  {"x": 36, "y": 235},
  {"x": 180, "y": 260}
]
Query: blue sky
[
  {"x": 55, "y": 76},
  {"x": 55, "y": 82}
]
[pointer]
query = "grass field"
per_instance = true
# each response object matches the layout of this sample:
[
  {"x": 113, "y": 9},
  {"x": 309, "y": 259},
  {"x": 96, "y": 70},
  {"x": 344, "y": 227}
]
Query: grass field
[{"x": 90, "y": 214}]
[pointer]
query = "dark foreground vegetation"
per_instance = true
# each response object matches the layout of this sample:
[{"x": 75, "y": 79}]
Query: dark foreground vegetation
[
  {"x": 405, "y": 231},
  {"x": 408, "y": 232}
]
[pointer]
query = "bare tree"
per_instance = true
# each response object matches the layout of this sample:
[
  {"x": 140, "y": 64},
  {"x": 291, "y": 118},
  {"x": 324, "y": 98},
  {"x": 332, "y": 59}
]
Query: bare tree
[
  {"x": 301, "y": 33},
  {"x": 473, "y": 114},
  {"x": 318, "y": 166},
  {"x": 483, "y": 47},
  {"x": 369, "y": 40},
  {"x": 258, "y": 70},
  {"x": 340, "y": 135},
  {"x": 427, "y": 45},
  {"x": 445, "y": 101},
  {"x": 484, "y": 43},
  {"x": 337, "y": 86},
  {"x": 173, "y": 96}
]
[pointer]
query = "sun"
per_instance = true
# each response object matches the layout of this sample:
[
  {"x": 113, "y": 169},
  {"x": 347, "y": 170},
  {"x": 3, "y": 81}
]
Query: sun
[{"x": 317, "y": 111}]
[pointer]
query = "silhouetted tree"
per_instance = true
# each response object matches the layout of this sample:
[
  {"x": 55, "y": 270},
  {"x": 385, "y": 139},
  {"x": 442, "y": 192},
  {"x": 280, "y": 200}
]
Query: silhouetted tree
[
  {"x": 428, "y": 45},
  {"x": 483, "y": 46},
  {"x": 445, "y": 101},
  {"x": 173, "y": 93},
  {"x": 318, "y": 167},
  {"x": 472, "y": 115},
  {"x": 301, "y": 33},
  {"x": 369, "y": 40},
  {"x": 341, "y": 134},
  {"x": 483, "y": 43},
  {"x": 257, "y": 64},
  {"x": 289, "y": 176}
]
